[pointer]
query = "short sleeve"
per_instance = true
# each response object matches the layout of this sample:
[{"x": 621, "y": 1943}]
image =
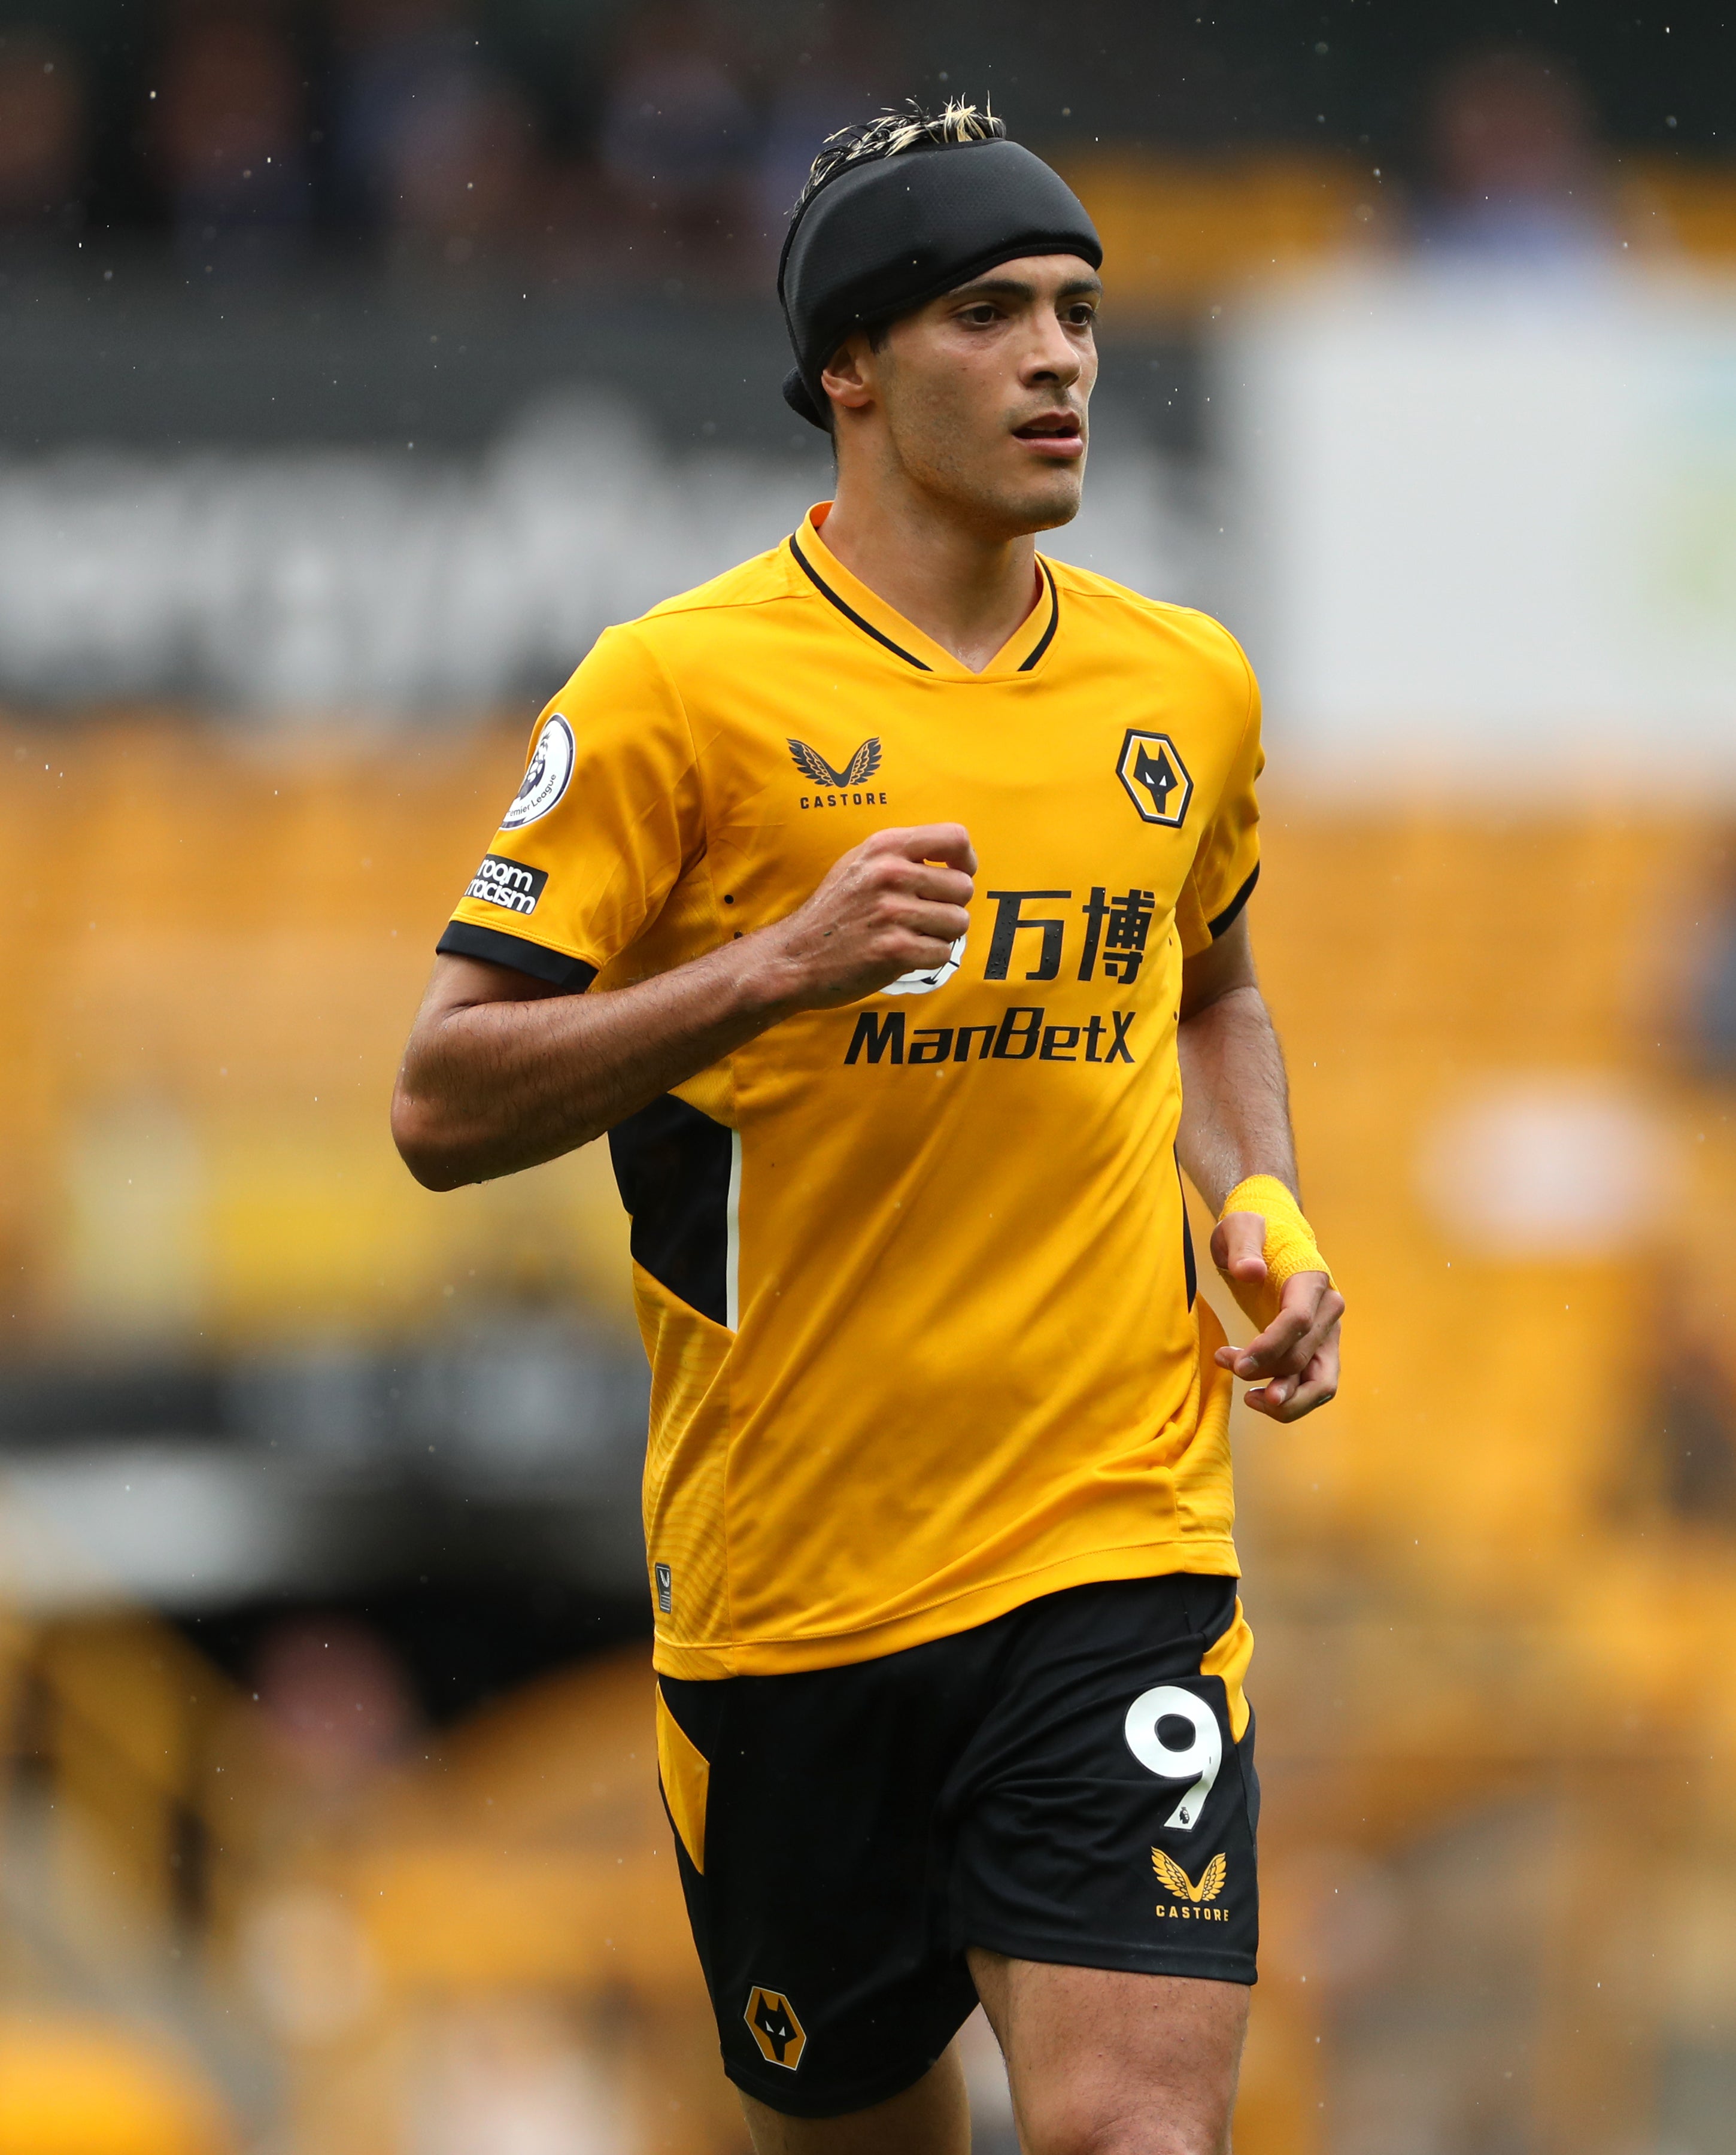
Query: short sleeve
[
  {"x": 1227, "y": 865},
  {"x": 606, "y": 819}
]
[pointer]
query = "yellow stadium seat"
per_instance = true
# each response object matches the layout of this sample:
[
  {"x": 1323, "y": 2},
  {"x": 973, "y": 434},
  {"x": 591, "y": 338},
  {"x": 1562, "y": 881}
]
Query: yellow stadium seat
[{"x": 88, "y": 2088}]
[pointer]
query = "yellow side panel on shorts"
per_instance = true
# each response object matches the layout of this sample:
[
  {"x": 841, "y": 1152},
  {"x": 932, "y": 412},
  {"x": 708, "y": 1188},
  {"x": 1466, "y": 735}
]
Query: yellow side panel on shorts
[
  {"x": 686, "y": 1774},
  {"x": 1228, "y": 1657}
]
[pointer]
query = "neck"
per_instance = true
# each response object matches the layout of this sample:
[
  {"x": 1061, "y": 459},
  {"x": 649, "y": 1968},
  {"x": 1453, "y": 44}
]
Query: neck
[{"x": 965, "y": 591}]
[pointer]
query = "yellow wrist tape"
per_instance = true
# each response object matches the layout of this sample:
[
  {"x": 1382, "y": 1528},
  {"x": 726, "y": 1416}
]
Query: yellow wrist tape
[{"x": 1290, "y": 1246}]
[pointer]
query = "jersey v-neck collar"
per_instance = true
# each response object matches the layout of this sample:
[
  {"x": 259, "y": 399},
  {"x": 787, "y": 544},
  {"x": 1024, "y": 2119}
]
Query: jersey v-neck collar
[{"x": 872, "y": 617}]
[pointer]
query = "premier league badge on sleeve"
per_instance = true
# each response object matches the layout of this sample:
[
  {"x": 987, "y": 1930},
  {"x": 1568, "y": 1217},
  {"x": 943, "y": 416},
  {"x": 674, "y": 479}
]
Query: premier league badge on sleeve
[{"x": 546, "y": 779}]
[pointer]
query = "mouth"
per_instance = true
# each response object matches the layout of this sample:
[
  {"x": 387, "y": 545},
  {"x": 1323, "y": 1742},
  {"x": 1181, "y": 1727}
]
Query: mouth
[{"x": 1056, "y": 437}]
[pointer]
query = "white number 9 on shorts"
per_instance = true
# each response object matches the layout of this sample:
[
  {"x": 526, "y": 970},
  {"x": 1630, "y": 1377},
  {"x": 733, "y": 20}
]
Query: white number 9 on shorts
[{"x": 1200, "y": 1757}]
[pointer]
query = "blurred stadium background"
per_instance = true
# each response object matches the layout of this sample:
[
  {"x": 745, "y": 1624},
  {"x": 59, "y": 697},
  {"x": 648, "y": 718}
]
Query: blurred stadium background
[{"x": 359, "y": 360}]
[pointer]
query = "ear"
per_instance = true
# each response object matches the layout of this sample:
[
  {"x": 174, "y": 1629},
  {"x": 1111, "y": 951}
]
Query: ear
[{"x": 849, "y": 380}]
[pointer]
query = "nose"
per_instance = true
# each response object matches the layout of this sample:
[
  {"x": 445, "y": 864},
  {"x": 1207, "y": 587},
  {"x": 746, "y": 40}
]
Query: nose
[{"x": 1053, "y": 357}]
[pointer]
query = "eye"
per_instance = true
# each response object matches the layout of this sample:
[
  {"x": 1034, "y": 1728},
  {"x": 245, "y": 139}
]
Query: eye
[{"x": 981, "y": 315}]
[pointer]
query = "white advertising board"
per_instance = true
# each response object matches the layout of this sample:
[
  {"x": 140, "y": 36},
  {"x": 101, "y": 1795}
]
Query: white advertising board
[{"x": 1491, "y": 523}]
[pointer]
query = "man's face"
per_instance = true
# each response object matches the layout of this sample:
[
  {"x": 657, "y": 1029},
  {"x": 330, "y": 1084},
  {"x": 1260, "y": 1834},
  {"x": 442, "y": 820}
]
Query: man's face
[{"x": 980, "y": 397}]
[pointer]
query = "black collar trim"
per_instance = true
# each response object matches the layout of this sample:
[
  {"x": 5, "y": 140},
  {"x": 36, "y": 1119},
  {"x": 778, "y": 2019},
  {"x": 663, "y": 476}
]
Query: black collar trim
[
  {"x": 1048, "y": 635},
  {"x": 850, "y": 613}
]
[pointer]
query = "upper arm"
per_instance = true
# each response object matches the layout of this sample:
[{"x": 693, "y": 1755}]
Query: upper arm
[
  {"x": 1226, "y": 963},
  {"x": 458, "y": 983},
  {"x": 447, "y": 1068}
]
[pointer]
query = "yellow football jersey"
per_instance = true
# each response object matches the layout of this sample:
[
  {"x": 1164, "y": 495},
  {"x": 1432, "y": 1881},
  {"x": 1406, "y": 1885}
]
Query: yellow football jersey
[{"x": 914, "y": 1275}]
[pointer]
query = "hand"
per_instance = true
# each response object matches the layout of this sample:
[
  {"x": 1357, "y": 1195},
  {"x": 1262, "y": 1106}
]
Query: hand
[
  {"x": 1298, "y": 1352},
  {"x": 895, "y": 903}
]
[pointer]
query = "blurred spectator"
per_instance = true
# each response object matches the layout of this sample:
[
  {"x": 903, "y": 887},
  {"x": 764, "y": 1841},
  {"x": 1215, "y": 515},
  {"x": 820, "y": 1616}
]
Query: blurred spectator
[
  {"x": 1715, "y": 1012},
  {"x": 1516, "y": 165},
  {"x": 42, "y": 133},
  {"x": 1699, "y": 1435},
  {"x": 431, "y": 141},
  {"x": 834, "y": 81},
  {"x": 336, "y": 1701},
  {"x": 338, "y": 1716},
  {"x": 230, "y": 132},
  {"x": 678, "y": 137},
  {"x": 811, "y": 104},
  {"x": 464, "y": 173},
  {"x": 1687, "y": 1425}
]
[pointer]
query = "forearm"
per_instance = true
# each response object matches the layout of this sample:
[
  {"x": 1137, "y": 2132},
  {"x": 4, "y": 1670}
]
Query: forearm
[
  {"x": 487, "y": 1087},
  {"x": 1236, "y": 1102},
  {"x": 500, "y": 1074}
]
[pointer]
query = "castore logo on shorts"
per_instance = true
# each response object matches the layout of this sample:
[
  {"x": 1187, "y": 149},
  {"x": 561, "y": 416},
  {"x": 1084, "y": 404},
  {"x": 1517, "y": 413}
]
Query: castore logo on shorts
[{"x": 1188, "y": 1902}]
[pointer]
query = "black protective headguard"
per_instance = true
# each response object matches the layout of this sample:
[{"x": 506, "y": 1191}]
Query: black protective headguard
[{"x": 884, "y": 237}]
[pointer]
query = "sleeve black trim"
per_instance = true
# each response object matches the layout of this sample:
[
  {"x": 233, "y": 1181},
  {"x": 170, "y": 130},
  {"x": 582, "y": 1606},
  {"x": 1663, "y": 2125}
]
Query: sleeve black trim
[
  {"x": 463, "y": 940},
  {"x": 1227, "y": 919}
]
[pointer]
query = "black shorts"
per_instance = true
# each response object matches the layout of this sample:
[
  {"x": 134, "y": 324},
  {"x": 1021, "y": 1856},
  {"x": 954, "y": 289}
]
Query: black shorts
[{"x": 1060, "y": 1784}]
